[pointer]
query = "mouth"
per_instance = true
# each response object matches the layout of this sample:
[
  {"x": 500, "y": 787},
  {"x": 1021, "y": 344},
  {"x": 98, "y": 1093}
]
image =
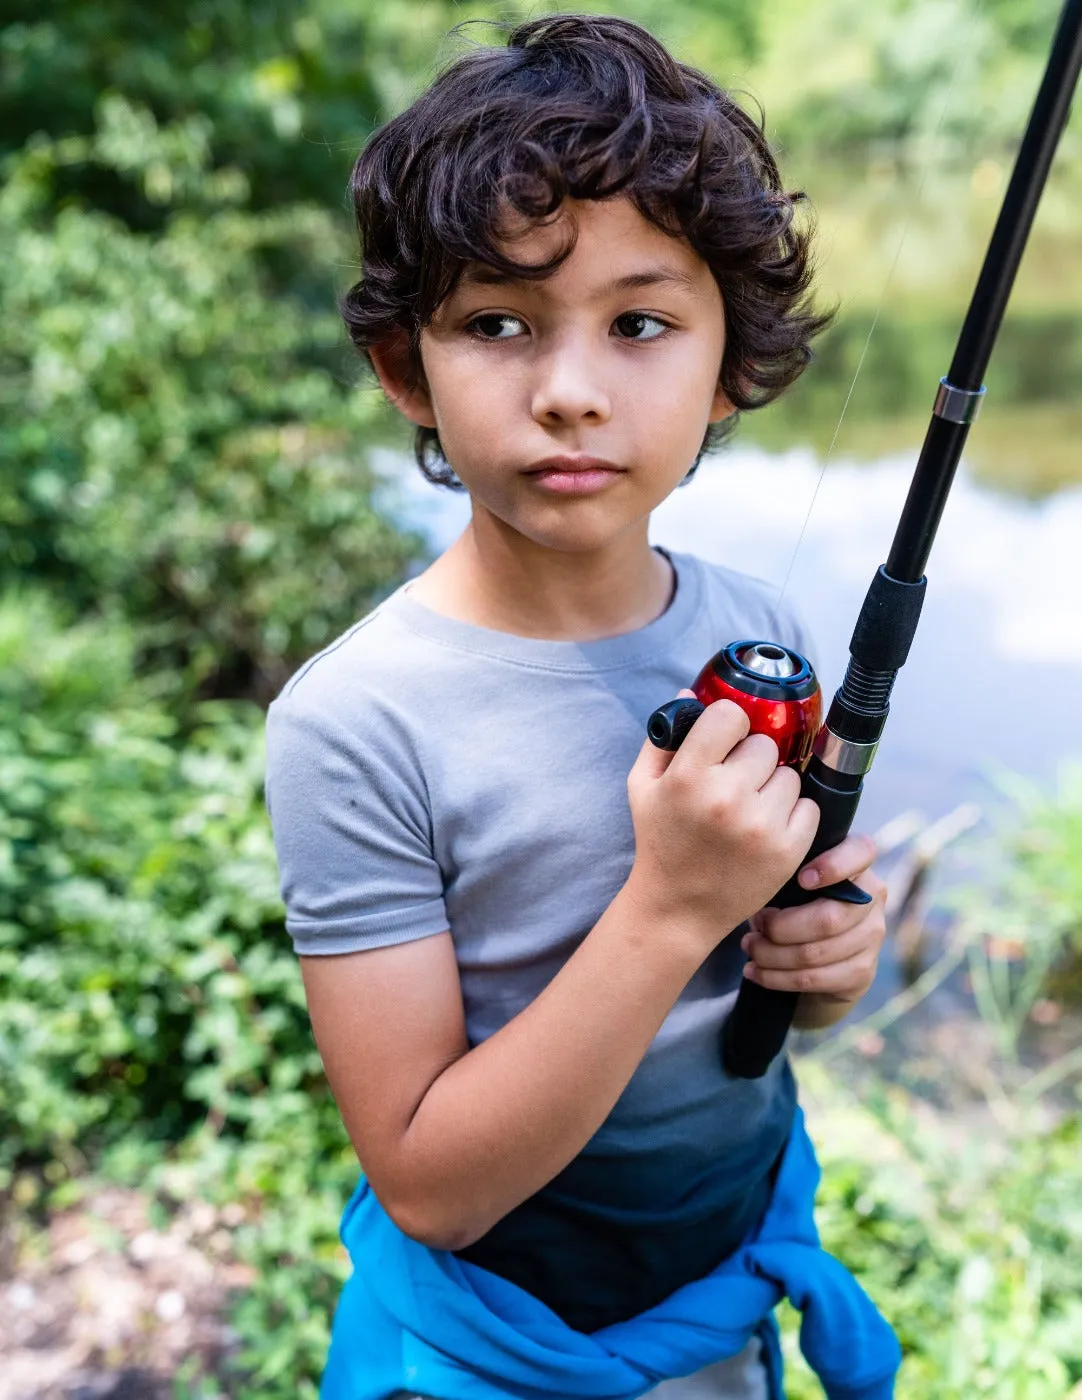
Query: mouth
[
  {"x": 574, "y": 476},
  {"x": 572, "y": 466}
]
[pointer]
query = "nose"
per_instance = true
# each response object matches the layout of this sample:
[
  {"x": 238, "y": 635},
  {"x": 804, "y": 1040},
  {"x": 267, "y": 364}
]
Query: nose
[{"x": 568, "y": 387}]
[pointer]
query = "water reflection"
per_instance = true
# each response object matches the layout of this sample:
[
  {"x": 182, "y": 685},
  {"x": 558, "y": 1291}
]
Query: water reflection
[{"x": 1029, "y": 429}]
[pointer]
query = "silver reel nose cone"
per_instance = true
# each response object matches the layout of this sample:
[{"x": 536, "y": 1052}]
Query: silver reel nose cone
[{"x": 767, "y": 660}]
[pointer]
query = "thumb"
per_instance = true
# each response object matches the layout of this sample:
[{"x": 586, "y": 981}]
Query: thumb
[{"x": 652, "y": 762}]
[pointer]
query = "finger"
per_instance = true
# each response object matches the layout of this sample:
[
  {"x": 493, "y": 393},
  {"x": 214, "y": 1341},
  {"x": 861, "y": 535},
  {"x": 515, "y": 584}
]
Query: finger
[
  {"x": 871, "y": 882},
  {"x": 845, "y": 861},
  {"x": 754, "y": 760},
  {"x": 816, "y": 953},
  {"x": 821, "y": 919},
  {"x": 800, "y": 815},
  {"x": 785, "y": 810},
  {"x": 845, "y": 980},
  {"x": 714, "y": 735}
]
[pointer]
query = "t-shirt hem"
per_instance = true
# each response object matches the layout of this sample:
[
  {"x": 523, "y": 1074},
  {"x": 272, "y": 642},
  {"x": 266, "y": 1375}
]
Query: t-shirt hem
[{"x": 357, "y": 935}]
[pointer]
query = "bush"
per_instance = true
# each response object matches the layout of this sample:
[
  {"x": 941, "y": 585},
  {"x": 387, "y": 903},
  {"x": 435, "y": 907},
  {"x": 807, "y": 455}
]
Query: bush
[
  {"x": 145, "y": 981},
  {"x": 175, "y": 438},
  {"x": 152, "y": 1018},
  {"x": 969, "y": 1239},
  {"x": 1024, "y": 903}
]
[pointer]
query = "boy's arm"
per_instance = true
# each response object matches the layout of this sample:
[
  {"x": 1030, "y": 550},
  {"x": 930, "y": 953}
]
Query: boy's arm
[{"x": 452, "y": 1139}]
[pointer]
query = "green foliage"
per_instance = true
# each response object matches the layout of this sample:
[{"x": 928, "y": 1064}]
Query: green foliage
[
  {"x": 1025, "y": 905},
  {"x": 890, "y": 78},
  {"x": 285, "y": 93},
  {"x": 971, "y": 1244},
  {"x": 174, "y": 437},
  {"x": 144, "y": 981},
  {"x": 152, "y": 1018}
]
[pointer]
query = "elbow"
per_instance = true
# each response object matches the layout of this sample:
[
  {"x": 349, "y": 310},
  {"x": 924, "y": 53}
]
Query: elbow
[{"x": 421, "y": 1222}]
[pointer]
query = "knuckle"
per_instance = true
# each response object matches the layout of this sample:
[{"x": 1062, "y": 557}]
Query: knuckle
[
  {"x": 805, "y": 981},
  {"x": 730, "y": 715},
  {"x": 763, "y": 743},
  {"x": 811, "y": 954},
  {"x": 722, "y": 805},
  {"x": 760, "y": 829},
  {"x": 837, "y": 917},
  {"x": 679, "y": 781}
]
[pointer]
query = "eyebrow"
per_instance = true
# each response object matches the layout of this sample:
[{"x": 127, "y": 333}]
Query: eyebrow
[{"x": 482, "y": 276}]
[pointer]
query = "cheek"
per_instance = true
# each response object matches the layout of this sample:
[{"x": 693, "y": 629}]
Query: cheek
[
  {"x": 471, "y": 423},
  {"x": 675, "y": 403},
  {"x": 464, "y": 389},
  {"x": 685, "y": 373},
  {"x": 460, "y": 418}
]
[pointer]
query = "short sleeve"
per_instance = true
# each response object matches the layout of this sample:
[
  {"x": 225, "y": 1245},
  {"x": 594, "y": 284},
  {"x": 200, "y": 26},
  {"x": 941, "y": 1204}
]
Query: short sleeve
[{"x": 352, "y": 832}]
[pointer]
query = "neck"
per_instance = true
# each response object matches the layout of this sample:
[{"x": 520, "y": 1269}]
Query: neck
[{"x": 531, "y": 591}]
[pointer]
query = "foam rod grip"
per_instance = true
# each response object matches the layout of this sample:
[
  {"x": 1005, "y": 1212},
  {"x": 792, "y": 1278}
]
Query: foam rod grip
[{"x": 755, "y": 1031}]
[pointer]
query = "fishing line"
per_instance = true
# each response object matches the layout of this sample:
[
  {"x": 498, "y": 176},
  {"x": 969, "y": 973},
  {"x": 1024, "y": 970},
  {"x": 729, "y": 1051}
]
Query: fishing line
[{"x": 975, "y": 13}]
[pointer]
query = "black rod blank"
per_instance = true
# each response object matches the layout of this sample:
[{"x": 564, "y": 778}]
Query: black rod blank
[
  {"x": 1051, "y": 109},
  {"x": 945, "y": 440}
]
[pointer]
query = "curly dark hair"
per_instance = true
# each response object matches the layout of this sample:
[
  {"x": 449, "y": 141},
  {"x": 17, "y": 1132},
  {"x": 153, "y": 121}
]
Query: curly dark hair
[{"x": 580, "y": 107}]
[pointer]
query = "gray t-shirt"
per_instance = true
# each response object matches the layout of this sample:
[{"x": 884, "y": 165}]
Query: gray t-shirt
[{"x": 426, "y": 774}]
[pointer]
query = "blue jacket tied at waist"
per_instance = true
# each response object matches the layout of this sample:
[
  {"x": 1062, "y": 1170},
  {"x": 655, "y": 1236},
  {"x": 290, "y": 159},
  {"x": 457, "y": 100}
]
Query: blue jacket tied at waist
[{"x": 418, "y": 1319}]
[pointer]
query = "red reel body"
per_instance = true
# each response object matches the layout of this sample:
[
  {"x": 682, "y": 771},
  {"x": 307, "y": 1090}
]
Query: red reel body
[{"x": 774, "y": 686}]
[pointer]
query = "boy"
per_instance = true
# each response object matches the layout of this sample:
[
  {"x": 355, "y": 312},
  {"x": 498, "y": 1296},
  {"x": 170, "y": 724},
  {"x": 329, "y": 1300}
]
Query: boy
[{"x": 520, "y": 925}]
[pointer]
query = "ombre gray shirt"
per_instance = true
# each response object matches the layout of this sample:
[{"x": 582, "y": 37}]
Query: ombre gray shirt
[{"x": 426, "y": 774}]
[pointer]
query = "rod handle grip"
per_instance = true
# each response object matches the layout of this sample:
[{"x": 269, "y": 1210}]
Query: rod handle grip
[{"x": 755, "y": 1030}]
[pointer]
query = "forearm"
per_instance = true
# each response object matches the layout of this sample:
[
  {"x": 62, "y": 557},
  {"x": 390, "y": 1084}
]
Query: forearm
[{"x": 504, "y": 1119}]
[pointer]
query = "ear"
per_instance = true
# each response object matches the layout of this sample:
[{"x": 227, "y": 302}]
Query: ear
[{"x": 391, "y": 361}]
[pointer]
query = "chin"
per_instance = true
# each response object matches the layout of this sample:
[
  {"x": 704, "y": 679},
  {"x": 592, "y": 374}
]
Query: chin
[{"x": 584, "y": 541}]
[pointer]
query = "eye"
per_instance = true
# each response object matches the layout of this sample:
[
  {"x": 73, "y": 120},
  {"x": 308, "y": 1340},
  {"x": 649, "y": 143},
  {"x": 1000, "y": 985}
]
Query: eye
[
  {"x": 637, "y": 325},
  {"x": 495, "y": 326}
]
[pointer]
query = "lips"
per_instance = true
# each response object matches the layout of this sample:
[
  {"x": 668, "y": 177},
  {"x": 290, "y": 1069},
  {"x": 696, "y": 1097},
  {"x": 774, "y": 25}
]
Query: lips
[
  {"x": 573, "y": 476},
  {"x": 573, "y": 465}
]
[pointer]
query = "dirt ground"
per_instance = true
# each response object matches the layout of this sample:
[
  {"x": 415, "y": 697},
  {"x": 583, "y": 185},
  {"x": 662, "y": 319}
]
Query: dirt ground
[{"x": 100, "y": 1305}]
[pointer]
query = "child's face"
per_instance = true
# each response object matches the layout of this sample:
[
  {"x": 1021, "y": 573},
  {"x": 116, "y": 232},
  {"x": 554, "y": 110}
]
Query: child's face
[{"x": 615, "y": 356}]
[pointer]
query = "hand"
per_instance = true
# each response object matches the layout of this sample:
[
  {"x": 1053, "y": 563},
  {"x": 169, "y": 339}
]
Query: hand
[
  {"x": 719, "y": 827},
  {"x": 827, "y": 949}
]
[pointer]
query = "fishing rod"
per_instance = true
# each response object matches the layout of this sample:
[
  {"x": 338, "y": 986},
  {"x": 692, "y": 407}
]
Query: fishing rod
[{"x": 775, "y": 685}]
